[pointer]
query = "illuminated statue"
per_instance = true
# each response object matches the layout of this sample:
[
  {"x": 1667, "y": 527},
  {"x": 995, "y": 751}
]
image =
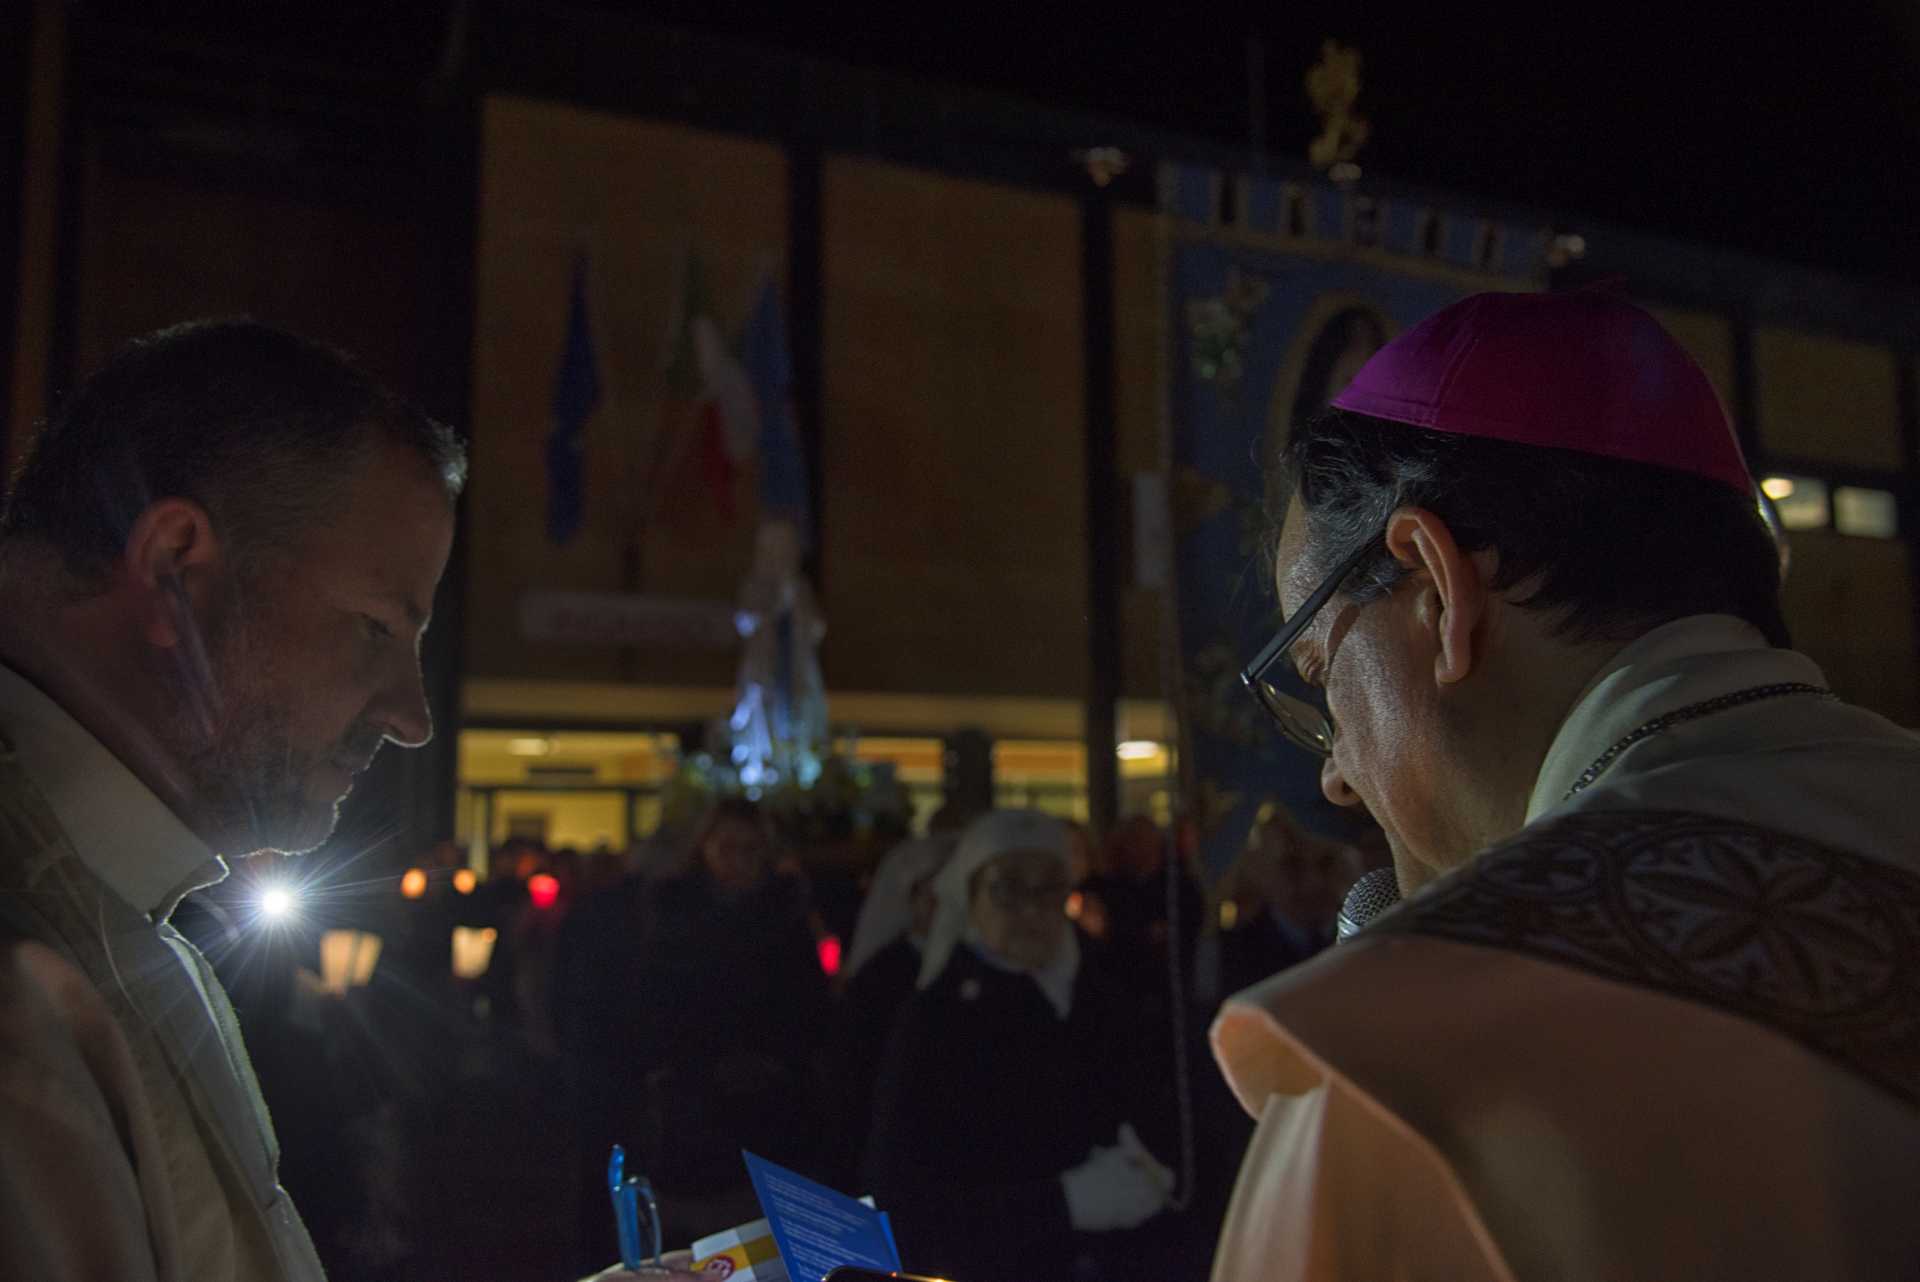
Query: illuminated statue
[{"x": 779, "y": 722}]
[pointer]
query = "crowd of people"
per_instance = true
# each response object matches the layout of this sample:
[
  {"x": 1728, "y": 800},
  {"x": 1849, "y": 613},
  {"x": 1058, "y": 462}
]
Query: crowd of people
[{"x": 734, "y": 993}]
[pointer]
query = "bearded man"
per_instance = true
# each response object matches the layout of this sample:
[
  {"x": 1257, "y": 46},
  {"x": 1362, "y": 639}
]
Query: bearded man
[
  {"x": 216, "y": 566},
  {"x": 1651, "y": 1006}
]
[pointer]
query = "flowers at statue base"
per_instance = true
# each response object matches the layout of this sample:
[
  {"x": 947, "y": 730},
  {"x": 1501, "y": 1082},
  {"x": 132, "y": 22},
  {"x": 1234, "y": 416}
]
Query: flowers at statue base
[{"x": 850, "y": 800}]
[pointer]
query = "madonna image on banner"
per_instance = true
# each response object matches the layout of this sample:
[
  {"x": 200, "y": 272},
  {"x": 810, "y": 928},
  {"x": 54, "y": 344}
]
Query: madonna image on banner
[{"x": 1340, "y": 333}]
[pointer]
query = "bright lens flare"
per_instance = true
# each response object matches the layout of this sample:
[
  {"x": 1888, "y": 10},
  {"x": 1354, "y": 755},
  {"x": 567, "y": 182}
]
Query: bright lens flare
[
  {"x": 276, "y": 903},
  {"x": 413, "y": 884},
  {"x": 465, "y": 880}
]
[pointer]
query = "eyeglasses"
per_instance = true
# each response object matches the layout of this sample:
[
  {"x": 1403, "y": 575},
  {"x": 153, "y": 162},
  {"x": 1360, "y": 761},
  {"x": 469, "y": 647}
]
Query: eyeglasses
[
  {"x": 1303, "y": 723},
  {"x": 1010, "y": 896}
]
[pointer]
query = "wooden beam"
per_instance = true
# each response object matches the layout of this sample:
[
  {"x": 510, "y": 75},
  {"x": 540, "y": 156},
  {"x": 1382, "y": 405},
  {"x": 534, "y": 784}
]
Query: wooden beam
[
  {"x": 1103, "y": 512},
  {"x": 40, "y": 191}
]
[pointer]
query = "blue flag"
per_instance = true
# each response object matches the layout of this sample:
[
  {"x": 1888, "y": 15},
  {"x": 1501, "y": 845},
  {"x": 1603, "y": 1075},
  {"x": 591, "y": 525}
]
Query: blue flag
[
  {"x": 576, "y": 390},
  {"x": 783, "y": 466}
]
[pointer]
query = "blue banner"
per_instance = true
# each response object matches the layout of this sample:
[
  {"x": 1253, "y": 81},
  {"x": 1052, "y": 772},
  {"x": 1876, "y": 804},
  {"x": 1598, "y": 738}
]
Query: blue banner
[
  {"x": 1264, "y": 332},
  {"x": 784, "y": 488}
]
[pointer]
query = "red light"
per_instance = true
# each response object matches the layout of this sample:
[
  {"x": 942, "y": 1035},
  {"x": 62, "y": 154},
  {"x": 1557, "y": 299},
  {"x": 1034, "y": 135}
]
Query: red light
[
  {"x": 543, "y": 890},
  {"x": 830, "y": 954}
]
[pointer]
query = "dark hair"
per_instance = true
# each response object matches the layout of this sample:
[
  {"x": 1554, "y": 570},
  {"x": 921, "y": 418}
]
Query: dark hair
[
  {"x": 728, "y": 810},
  {"x": 1615, "y": 548},
  {"x": 736, "y": 809},
  {"x": 259, "y": 427}
]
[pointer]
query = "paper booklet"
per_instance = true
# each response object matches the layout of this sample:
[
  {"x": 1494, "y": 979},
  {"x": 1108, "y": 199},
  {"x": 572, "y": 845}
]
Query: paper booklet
[{"x": 810, "y": 1230}]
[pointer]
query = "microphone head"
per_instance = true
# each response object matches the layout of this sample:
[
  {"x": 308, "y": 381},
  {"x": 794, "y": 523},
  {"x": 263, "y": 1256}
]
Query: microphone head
[{"x": 1372, "y": 895}]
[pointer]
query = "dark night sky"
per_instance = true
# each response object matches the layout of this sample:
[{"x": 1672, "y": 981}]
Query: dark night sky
[{"x": 1791, "y": 130}]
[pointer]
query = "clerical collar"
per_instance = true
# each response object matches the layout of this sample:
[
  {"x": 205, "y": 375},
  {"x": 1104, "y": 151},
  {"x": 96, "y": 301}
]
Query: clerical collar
[{"x": 1671, "y": 667}]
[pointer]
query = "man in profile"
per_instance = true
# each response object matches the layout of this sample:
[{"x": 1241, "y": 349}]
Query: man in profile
[
  {"x": 216, "y": 566},
  {"x": 1651, "y": 1008}
]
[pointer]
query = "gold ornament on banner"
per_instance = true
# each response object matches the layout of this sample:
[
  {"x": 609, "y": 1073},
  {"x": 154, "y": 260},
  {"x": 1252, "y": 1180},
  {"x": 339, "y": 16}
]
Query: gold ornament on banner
[
  {"x": 1103, "y": 164},
  {"x": 1333, "y": 86}
]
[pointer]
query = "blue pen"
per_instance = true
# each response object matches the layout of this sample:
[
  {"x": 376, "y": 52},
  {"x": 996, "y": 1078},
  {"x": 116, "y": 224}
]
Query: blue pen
[{"x": 626, "y": 1191}]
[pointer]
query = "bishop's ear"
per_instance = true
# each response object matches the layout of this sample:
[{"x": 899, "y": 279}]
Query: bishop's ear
[
  {"x": 1453, "y": 591},
  {"x": 170, "y": 568}
]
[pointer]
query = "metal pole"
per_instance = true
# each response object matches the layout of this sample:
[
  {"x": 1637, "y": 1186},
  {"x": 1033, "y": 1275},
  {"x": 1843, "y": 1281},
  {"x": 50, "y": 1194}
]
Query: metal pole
[
  {"x": 806, "y": 268},
  {"x": 1103, "y": 514}
]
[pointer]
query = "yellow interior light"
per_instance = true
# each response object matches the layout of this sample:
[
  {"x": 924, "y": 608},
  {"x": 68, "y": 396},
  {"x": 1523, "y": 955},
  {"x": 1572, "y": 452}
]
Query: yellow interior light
[
  {"x": 473, "y": 950},
  {"x": 347, "y": 959},
  {"x": 1777, "y": 487}
]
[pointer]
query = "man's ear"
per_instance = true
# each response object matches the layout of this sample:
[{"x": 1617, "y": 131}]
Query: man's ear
[
  {"x": 171, "y": 565},
  {"x": 1453, "y": 596}
]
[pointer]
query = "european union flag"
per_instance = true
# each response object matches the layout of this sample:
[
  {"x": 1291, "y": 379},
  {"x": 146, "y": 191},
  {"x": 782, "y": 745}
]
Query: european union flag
[
  {"x": 576, "y": 390},
  {"x": 783, "y": 466}
]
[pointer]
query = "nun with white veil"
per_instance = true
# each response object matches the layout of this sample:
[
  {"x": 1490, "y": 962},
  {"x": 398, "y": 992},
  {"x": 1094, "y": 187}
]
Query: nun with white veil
[
  {"x": 1002, "y": 1141},
  {"x": 883, "y": 964},
  {"x": 898, "y": 905}
]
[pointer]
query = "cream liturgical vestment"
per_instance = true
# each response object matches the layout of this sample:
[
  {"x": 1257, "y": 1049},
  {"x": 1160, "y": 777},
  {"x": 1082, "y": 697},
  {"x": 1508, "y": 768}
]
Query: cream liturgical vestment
[
  {"x": 134, "y": 1145},
  {"x": 1670, "y": 1030}
]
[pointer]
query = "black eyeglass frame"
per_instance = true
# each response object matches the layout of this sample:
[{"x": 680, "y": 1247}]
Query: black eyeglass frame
[
  {"x": 1254, "y": 675},
  {"x": 1013, "y": 897}
]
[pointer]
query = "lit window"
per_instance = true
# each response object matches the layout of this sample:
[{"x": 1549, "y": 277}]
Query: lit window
[
  {"x": 1871, "y": 514},
  {"x": 473, "y": 950},
  {"x": 1800, "y": 500},
  {"x": 347, "y": 959}
]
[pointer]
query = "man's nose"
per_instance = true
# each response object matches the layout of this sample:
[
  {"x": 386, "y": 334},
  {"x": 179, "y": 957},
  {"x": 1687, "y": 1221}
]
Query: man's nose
[
  {"x": 1334, "y": 785},
  {"x": 403, "y": 711}
]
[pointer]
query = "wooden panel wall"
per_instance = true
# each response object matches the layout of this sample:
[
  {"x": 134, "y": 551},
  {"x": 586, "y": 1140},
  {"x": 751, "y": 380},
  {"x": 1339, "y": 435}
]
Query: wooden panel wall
[
  {"x": 1850, "y": 605},
  {"x": 1827, "y": 399},
  {"x": 955, "y": 526},
  {"x": 1139, "y": 309},
  {"x": 638, "y": 197},
  {"x": 161, "y": 244}
]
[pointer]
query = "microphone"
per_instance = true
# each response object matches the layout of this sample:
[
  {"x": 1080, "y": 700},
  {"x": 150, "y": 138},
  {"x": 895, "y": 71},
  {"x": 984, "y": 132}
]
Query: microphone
[{"x": 1372, "y": 895}]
